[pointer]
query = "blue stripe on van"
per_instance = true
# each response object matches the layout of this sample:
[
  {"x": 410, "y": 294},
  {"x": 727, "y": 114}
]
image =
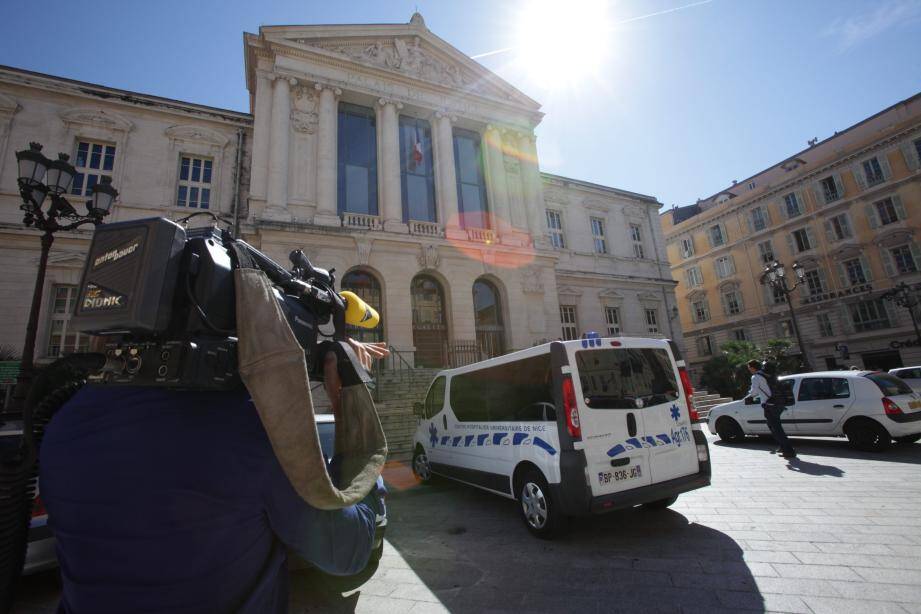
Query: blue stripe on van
[
  {"x": 618, "y": 449},
  {"x": 540, "y": 443},
  {"x": 481, "y": 439},
  {"x": 496, "y": 438},
  {"x": 468, "y": 440},
  {"x": 456, "y": 440},
  {"x": 444, "y": 440},
  {"x": 517, "y": 438}
]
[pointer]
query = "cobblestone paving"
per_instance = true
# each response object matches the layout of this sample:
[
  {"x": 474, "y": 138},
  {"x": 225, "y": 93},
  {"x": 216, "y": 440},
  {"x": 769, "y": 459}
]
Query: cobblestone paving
[{"x": 835, "y": 531}]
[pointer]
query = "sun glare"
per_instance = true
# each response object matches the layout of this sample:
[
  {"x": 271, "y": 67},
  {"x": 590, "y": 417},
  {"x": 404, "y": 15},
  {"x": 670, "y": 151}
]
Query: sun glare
[{"x": 563, "y": 42}]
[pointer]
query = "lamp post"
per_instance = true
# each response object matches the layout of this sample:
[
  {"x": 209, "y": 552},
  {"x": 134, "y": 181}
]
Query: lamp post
[
  {"x": 901, "y": 295},
  {"x": 40, "y": 178},
  {"x": 775, "y": 276}
]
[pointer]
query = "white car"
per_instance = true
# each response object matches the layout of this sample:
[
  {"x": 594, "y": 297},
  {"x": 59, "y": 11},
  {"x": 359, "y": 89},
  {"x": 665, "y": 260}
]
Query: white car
[
  {"x": 910, "y": 375},
  {"x": 868, "y": 407}
]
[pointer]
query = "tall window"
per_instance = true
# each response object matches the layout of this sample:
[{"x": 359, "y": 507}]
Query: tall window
[
  {"x": 869, "y": 315},
  {"x": 687, "y": 247},
  {"x": 855, "y": 272},
  {"x": 417, "y": 174},
  {"x": 873, "y": 171},
  {"x": 801, "y": 240},
  {"x": 93, "y": 160},
  {"x": 766, "y": 251},
  {"x": 471, "y": 183},
  {"x": 777, "y": 295},
  {"x": 701, "y": 310},
  {"x": 725, "y": 267},
  {"x": 759, "y": 220},
  {"x": 636, "y": 234},
  {"x": 569, "y": 322},
  {"x": 357, "y": 160},
  {"x": 740, "y": 334},
  {"x": 652, "y": 320},
  {"x": 830, "y": 189},
  {"x": 490, "y": 334},
  {"x": 601, "y": 246},
  {"x": 194, "y": 182},
  {"x": 813, "y": 280},
  {"x": 717, "y": 237},
  {"x": 792, "y": 204},
  {"x": 62, "y": 339},
  {"x": 694, "y": 277},
  {"x": 612, "y": 319},
  {"x": 840, "y": 228},
  {"x": 555, "y": 225},
  {"x": 824, "y": 322},
  {"x": 366, "y": 286},
  {"x": 732, "y": 302},
  {"x": 903, "y": 259},
  {"x": 705, "y": 345},
  {"x": 886, "y": 211}
]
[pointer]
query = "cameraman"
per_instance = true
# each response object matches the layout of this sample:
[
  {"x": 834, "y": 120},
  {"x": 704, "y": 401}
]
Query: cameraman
[{"x": 167, "y": 500}]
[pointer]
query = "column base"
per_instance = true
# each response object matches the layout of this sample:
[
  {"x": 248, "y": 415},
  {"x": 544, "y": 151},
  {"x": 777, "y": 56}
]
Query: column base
[
  {"x": 396, "y": 226},
  {"x": 327, "y": 219},
  {"x": 274, "y": 213}
]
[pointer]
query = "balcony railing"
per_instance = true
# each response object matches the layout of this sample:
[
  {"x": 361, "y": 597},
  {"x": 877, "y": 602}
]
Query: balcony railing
[
  {"x": 426, "y": 229},
  {"x": 360, "y": 220},
  {"x": 481, "y": 235}
]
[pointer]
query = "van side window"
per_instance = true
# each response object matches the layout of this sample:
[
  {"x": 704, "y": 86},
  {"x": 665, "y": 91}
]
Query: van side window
[
  {"x": 513, "y": 392},
  {"x": 435, "y": 399},
  {"x": 618, "y": 378}
]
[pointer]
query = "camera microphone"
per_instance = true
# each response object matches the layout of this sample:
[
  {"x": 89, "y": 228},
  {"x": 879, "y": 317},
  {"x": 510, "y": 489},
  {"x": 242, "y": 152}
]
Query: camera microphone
[{"x": 358, "y": 312}]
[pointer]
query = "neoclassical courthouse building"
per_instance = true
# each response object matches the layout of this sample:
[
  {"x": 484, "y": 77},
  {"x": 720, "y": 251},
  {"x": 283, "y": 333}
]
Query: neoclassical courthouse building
[{"x": 380, "y": 150}]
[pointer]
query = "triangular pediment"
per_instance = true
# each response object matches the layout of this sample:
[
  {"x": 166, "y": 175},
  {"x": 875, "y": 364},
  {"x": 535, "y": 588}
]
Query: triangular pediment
[{"x": 409, "y": 50}]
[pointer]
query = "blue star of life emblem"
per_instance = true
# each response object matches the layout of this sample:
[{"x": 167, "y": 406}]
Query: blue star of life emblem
[
  {"x": 433, "y": 434},
  {"x": 676, "y": 413}
]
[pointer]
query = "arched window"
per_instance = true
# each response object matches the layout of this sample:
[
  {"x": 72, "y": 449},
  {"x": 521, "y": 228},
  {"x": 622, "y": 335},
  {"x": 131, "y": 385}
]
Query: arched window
[
  {"x": 366, "y": 286},
  {"x": 490, "y": 333},
  {"x": 430, "y": 334}
]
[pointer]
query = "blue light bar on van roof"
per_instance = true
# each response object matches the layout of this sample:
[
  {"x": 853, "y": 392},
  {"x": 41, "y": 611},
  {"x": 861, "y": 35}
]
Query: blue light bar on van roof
[{"x": 591, "y": 339}]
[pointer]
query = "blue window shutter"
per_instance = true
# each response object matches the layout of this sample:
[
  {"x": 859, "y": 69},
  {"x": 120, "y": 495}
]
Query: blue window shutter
[
  {"x": 872, "y": 216},
  {"x": 865, "y": 265},
  {"x": 888, "y": 264},
  {"x": 859, "y": 177},
  {"x": 916, "y": 254},
  {"x": 791, "y": 244},
  {"x": 884, "y": 165},
  {"x": 810, "y": 236},
  {"x": 843, "y": 281},
  {"x": 899, "y": 208},
  {"x": 829, "y": 232},
  {"x": 910, "y": 153},
  {"x": 839, "y": 185}
]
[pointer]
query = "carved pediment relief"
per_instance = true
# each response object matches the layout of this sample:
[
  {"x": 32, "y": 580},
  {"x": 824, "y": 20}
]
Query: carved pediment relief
[
  {"x": 596, "y": 204},
  {"x": 648, "y": 297},
  {"x": 363, "y": 246},
  {"x": 696, "y": 295},
  {"x": 569, "y": 291},
  {"x": 428, "y": 257},
  {"x": 611, "y": 294},
  {"x": 196, "y": 134},
  {"x": 304, "y": 122},
  {"x": 555, "y": 196},
  {"x": 894, "y": 237},
  {"x": 100, "y": 118},
  {"x": 67, "y": 259},
  {"x": 846, "y": 251},
  {"x": 531, "y": 282}
]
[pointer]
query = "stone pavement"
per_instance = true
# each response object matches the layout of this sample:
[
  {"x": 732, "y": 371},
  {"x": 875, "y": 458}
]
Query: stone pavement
[{"x": 835, "y": 531}]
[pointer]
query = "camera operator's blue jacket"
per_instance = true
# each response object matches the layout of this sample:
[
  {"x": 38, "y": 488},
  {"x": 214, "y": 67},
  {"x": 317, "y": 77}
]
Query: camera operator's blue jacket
[{"x": 168, "y": 501}]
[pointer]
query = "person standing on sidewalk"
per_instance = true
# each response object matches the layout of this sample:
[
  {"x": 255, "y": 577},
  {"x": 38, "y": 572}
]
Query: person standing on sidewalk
[{"x": 772, "y": 405}]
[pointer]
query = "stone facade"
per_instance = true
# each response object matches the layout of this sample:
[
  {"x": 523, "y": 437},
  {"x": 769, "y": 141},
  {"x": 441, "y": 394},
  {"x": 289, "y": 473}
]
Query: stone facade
[
  {"x": 274, "y": 175},
  {"x": 848, "y": 209}
]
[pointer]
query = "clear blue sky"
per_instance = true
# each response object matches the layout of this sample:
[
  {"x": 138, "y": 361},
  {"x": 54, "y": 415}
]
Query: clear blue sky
[{"x": 683, "y": 102}]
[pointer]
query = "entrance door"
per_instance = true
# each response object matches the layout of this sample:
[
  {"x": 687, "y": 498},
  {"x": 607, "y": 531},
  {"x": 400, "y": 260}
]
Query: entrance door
[
  {"x": 881, "y": 361},
  {"x": 430, "y": 334}
]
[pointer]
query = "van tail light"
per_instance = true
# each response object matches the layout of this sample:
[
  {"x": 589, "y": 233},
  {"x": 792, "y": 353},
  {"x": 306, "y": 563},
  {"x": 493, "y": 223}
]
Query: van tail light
[
  {"x": 688, "y": 394},
  {"x": 890, "y": 407},
  {"x": 571, "y": 410},
  {"x": 38, "y": 508}
]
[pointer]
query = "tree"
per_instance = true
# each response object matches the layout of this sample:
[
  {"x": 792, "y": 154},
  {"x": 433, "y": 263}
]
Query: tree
[{"x": 777, "y": 351}]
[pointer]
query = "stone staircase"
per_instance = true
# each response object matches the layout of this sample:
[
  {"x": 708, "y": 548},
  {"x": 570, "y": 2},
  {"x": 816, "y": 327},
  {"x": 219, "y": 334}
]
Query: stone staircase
[
  {"x": 397, "y": 391},
  {"x": 704, "y": 401}
]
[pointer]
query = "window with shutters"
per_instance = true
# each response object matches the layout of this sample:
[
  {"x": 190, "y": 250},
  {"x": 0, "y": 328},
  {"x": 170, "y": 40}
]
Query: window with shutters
[
  {"x": 694, "y": 277},
  {"x": 801, "y": 240},
  {"x": 717, "y": 236},
  {"x": 569, "y": 322},
  {"x": 62, "y": 338},
  {"x": 855, "y": 272},
  {"x": 612, "y": 319},
  {"x": 813, "y": 282},
  {"x": 886, "y": 210},
  {"x": 793, "y": 205},
  {"x": 824, "y": 325},
  {"x": 724, "y": 267},
  {"x": 652, "y": 320},
  {"x": 777, "y": 295},
  {"x": 840, "y": 227},
  {"x": 759, "y": 219},
  {"x": 830, "y": 191},
  {"x": 555, "y": 226},
  {"x": 194, "y": 182},
  {"x": 766, "y": 251},
  {"x": 869, "y": 315},
  {"x": 705, "y": 345},
  {"x": 636, "y": 234},
  {"x": 740, "y": 334},
  {"x": 687, "y": 247},
  {"x": 903, "y": 259},
  {"x": 601, "y": 246},
  {"x": 93, "y": 160},
  {"x": 701, "y": 310},
  {"x": 873, "y": 171},
  {"x": 732, "y": 302}
]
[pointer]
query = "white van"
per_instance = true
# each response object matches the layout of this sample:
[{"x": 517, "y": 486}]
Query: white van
[{"x": 567, "y": 428}]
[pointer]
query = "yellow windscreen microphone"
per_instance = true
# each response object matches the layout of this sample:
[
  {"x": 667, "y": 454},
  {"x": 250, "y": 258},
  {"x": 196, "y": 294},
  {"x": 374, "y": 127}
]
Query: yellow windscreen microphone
[{"x": 358, "y": 312}]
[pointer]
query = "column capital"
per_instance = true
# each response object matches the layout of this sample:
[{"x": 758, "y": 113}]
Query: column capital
[
  {"x": 446, "y": 115},
  {"x": 325, "y": 86},
  {"x": 264, "y": 74},
  {"x": 291, "y": 81},
  {"x": 270, "y": 75},
  {"x": 385, "y": 101}
]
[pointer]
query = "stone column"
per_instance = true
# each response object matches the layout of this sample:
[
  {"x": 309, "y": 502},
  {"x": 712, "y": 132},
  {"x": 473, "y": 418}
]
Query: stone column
[
  {"x": 277, "y": 189},
  {"x": 497, "y": 181},
  {"x": 446, "y": 183},
  {"x": 533, "y": 192},
  {"x": 327, "y": 160},
  {"x": 388, "y": 133},
  {"x": 261, "y": 127}
]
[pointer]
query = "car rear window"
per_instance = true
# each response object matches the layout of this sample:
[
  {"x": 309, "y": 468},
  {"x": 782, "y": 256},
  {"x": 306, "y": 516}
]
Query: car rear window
[
  {"x": 889, "y": 384},
  {"x": 619, "y": 378}
]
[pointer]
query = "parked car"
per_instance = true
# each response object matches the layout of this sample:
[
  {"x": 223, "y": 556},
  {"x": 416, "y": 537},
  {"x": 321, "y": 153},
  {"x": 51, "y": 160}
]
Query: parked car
[
  {"x": 870, "y": 408},
  {"x": 567, "y": 428},
  {"x": 909, "y": 375}
]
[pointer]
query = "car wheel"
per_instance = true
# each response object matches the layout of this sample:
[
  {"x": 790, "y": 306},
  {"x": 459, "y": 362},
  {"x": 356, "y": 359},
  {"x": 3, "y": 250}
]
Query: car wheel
[
  {"x": 867, "y": 435},
  {"x": 661, "y": 504},
  {"x": 907, "y": 438},
  {"x": 729, "y": 430},
  {"x": 538, "y": 509},
  {"x": 421, "y": 468}
]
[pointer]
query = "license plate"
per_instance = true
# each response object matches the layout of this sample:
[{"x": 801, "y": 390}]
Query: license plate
[{"x": 619, "y": 475}]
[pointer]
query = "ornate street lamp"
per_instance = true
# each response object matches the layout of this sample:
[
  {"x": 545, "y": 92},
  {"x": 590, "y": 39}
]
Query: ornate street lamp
[
  {"x": 901, "y": 295},
  {"x": 40, "y": 178},
  {"x": 775, "y": 276}
]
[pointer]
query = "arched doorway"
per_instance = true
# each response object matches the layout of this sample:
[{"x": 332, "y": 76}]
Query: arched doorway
[
  {"x": 487, "y": 308},
  {"x": 366, "y": 286},
  {"x": 430, "y": 334}
]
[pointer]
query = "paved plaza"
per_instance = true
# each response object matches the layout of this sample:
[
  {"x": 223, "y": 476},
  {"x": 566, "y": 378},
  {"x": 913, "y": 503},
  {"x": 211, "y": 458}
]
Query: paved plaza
[{"x": 835, "y": 531}]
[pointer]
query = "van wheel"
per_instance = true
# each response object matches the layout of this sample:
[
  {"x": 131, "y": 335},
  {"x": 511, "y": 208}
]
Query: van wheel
[
  {"x": 867, "y": 435},
  {"x": 907, "y": 438},
  {"x": 661, "y": 504},
  {"x": 729, "y": 430},
  {"x": 538, "y": 509},
  {"x": 421, "y": 468}
]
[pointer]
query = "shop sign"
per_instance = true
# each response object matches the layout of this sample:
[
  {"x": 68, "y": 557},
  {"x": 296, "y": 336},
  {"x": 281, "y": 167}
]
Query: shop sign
[{"x": 828, "y": 296}]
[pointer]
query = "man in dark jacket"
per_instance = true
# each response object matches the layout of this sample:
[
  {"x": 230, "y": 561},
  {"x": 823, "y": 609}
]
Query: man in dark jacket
[
  {"x": 173, "y": 501},
  {"x": 772, "y": 405}
]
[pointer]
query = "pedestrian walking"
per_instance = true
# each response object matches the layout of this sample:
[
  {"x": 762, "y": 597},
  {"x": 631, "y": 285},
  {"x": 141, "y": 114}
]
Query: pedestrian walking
[{"x": 767, "y": 389}]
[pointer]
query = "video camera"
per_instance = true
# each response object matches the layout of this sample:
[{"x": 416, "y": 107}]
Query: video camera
[{"x": 164, "y": 299}]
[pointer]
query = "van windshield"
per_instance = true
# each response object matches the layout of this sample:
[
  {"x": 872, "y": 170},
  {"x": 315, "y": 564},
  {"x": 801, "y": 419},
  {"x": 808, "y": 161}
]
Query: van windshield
[{"x": 625, "y": 378}]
